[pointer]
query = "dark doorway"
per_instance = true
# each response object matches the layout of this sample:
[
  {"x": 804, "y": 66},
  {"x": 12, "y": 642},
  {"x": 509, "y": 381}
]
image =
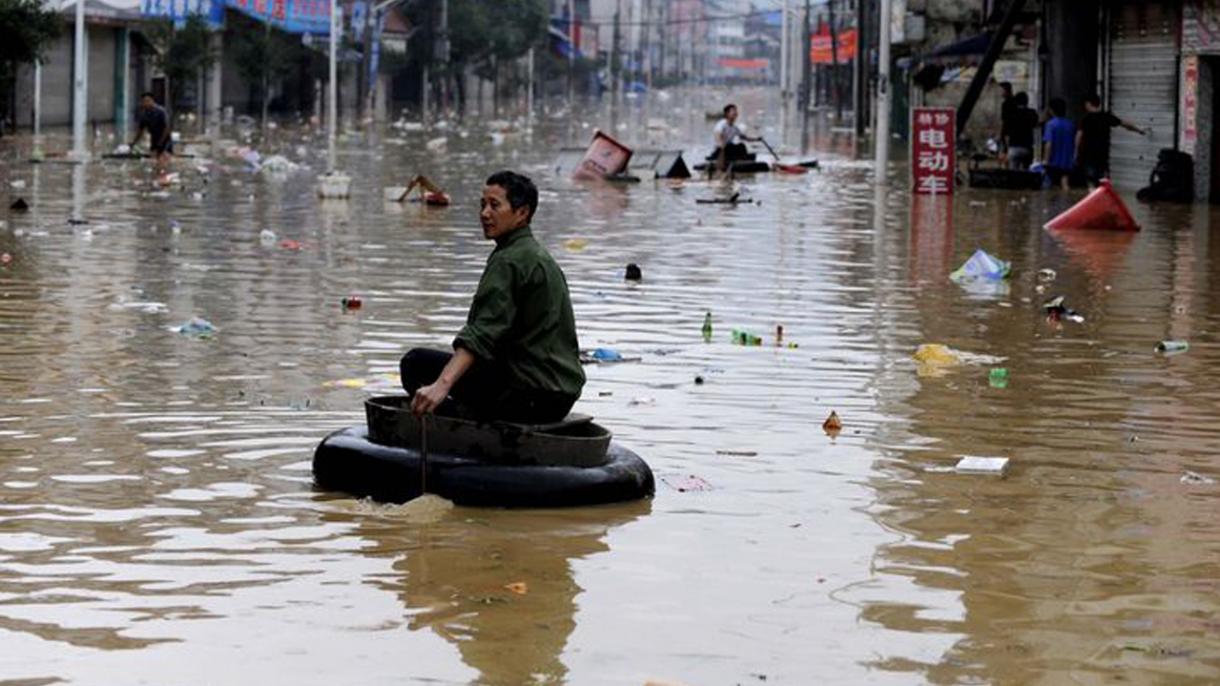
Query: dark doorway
[{"x": 1207, "y": 68}]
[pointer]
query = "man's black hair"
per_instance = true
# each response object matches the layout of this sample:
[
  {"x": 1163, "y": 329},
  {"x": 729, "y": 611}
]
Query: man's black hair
[
  {"x": 1006, "y": 86},
  {"x": 148, "y": 94},
  {"x": 728, "y": 107},
  {"x": 1059, "y": 107},
  {"x": 1094, "y": 100},
  {"x": 517, "y": 188},
  {"x": 1021, "y": 99}
]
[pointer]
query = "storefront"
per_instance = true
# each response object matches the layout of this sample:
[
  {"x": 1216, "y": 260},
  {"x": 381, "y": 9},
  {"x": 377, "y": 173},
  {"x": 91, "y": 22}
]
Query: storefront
[
  {"x": 1141, "y": 69},
  {"x": 1198, "y": 109}
]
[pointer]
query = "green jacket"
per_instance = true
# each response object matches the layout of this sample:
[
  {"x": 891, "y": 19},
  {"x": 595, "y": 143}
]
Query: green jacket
[{"x": 521, "y": 319}]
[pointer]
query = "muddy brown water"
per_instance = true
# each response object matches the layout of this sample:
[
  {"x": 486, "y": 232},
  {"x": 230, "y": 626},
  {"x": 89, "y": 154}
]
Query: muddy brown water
[{"x": 158, "y": 523}]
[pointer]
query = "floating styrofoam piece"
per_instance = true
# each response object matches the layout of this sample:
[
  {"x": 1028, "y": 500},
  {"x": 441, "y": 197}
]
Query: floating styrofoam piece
[
  {"x": 335, "y": 185},
  {"x": 971, "y": 464}
]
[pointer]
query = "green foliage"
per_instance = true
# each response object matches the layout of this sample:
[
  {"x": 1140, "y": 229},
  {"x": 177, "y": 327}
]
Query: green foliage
[
  {"x": 26, "y": 29},
  {"x": 184, "y": 53},
  {"x": 264, "y": 55},
  {"x": 479, "y": 30}
]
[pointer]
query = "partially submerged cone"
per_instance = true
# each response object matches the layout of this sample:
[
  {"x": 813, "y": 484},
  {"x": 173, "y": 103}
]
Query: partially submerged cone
[{"x": 1102, "y": 209}]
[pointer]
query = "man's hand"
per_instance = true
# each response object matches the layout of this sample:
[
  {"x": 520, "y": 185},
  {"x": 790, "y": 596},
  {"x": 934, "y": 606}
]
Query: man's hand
[{"x": 428, "y": 398}]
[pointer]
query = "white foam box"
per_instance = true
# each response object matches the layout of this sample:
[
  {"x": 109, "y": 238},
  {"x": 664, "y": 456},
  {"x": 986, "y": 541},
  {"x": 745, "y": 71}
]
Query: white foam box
[
  {"x": 982, "y": 465},
  {"x": 334, "y": 186}
]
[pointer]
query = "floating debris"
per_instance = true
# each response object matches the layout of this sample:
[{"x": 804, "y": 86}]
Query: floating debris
[
  {"x": 982, "y": 465},
  {"x": 197, "y": 327},
  {"x": 833, "y": 426}
]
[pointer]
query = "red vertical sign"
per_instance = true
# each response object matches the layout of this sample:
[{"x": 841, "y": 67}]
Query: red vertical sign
[
  {"x": 1190, "y": 100},
  {"x": 933, "y": 149}
]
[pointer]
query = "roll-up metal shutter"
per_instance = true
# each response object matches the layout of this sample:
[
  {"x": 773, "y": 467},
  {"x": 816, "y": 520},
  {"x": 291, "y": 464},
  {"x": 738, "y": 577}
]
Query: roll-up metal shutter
[{"x": 1143, "y": 88}]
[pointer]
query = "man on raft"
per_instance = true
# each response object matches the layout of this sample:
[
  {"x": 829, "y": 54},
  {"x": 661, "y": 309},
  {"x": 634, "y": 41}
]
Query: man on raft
[
  {"x": 517, "y": 358},
  {"x": 728, "y": 138}
]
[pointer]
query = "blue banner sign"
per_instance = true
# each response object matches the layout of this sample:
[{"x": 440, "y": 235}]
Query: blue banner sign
[{"x": 291, "y": 16}]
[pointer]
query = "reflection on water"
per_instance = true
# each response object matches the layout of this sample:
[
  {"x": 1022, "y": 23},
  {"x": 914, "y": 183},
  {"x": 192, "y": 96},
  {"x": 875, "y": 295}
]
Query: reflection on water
[
  {"x": 156, "y": 509},
  {"x": 498, "y": 586}
]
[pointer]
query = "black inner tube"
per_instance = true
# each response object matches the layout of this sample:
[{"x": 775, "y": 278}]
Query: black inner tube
[{"x": 347, "y": 461}]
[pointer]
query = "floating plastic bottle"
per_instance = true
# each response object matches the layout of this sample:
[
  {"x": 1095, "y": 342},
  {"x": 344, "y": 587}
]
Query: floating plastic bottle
[
  {"x": 743, "y": 337},
  {"x": 1170, "y": 347},
  {"x": 998, "y": 378},
  {"x": 707, "y": 327}
]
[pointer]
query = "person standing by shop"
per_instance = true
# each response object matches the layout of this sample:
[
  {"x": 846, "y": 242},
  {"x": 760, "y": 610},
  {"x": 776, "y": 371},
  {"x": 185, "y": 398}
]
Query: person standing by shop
[
  {"x": 1093, "y": 140},
  {"x": 1059, "y": 144},
  {"x": 1020, "y": 138}
]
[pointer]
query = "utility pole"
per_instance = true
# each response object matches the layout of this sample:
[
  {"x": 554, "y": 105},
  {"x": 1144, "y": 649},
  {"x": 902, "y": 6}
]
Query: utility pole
[
  {"x": 38, "y": 109},
  {"x": 862, "y": 67},
  {"x": 663, "y": 20},
  {"x": 881, "y": 142},
  {"x": 646, "y": 44},
  {"x": 571, "y": 53},
  {"x": 80, "y": 82},
  {"x": 529, "y": 93},
  {"x": 806, "y": 69},
  {"x": 266, "y": 80},
  {"x": 332, "y": 95},
  {"x": 783, "y": 71},
  {"x": 615, "y": 59},
  {"x": 443, "y": 58},
  {"x": 836, "y": 92},
  {"x": 362, "y": 79}
]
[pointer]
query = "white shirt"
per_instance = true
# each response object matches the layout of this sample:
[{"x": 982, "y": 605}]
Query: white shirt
[{"x": 727, "y": 132}]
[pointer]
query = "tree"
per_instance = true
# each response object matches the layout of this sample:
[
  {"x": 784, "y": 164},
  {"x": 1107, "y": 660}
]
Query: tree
[
  {"x": 26, "y": 29},
  {"x": 264, "y": 55},
  {"x": 183, "y": 53},
  {"x": 483, "y": 34}
]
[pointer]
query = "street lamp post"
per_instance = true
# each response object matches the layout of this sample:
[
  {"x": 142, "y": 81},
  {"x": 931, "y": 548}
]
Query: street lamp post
[
  {"x": 882, "y": 132},
  {"x": 332, "y": 95},
  {"x": 80, "y": 92}
]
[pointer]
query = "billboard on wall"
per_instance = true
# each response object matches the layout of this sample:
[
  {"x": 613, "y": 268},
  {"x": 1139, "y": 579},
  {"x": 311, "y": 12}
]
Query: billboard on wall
[
  {"x": 291, "y": 16},
  {"x": 820, "y": 46}
]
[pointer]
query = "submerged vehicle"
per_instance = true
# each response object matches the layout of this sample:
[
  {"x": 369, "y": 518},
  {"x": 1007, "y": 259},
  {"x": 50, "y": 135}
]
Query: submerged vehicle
[{"x": 398, "y": 456}]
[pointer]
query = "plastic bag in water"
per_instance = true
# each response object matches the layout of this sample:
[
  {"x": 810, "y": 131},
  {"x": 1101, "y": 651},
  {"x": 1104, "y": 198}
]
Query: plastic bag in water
[
  {"x": 197, "y": 327},
  {"x": 983, "y": 267}
]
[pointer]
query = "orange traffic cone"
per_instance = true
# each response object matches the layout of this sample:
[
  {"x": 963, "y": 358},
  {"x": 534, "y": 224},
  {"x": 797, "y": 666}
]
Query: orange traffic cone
[{"x": 1101, "y": 209}]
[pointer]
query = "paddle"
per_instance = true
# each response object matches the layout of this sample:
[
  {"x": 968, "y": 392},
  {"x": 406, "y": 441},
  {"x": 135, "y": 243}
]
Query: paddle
[
  {"x": 423, "y": 454},
  {"x": 786, "y": 168}
]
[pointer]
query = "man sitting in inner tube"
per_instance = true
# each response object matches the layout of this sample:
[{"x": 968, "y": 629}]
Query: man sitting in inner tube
[{"x": 517, "y": 358}]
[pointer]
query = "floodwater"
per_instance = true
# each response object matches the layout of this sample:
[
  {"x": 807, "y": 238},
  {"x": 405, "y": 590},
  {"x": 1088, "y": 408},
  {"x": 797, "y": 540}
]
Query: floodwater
[{"x": 158, "y": 523}]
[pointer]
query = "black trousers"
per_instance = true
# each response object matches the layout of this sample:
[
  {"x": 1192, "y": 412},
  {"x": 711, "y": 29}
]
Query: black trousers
[
  {"x": 732, "y": 153},
  {"x": 483, "y": 393}
]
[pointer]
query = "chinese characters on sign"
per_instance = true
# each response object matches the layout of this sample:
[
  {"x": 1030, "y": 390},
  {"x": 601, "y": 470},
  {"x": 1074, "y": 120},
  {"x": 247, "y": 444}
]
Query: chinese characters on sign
[
  {"x": 293, "y": 16},
  {"x": 933, "y": 149},
  {"x": 1190, "y": 100}
]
